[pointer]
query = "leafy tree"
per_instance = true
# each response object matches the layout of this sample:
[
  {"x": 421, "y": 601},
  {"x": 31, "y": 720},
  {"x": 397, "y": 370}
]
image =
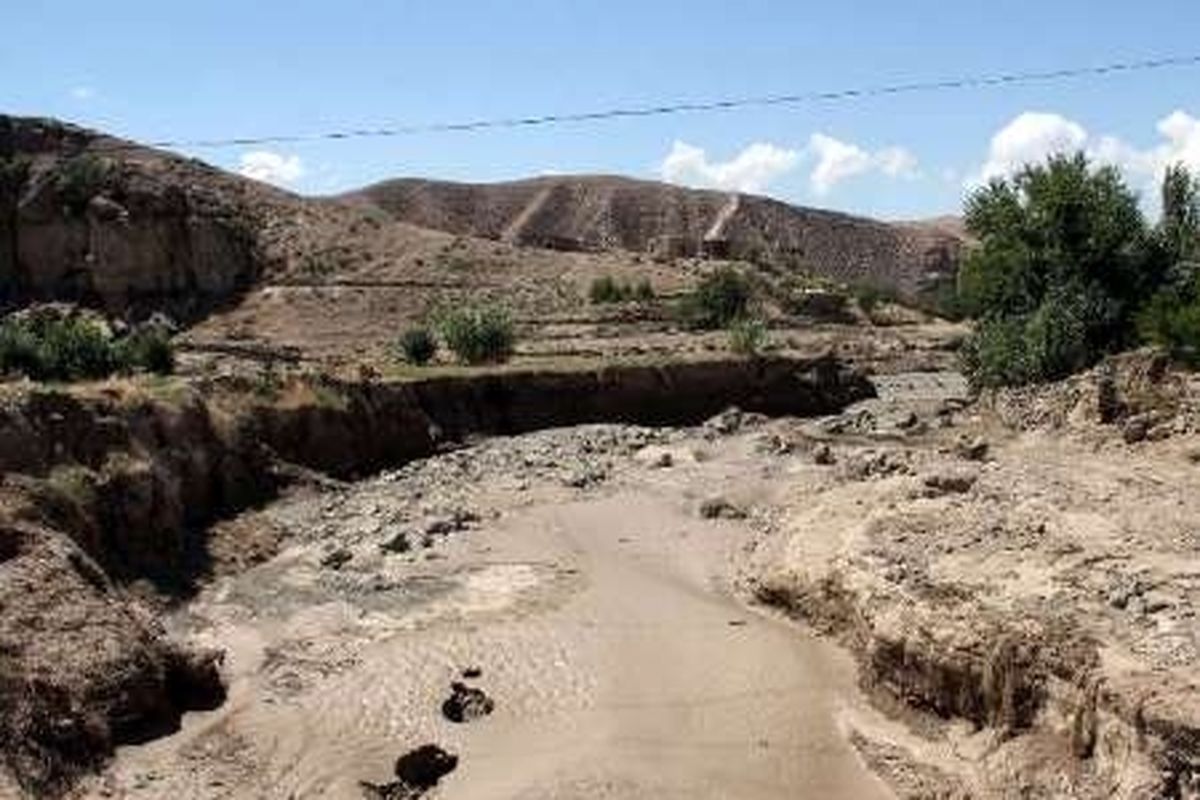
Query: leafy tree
[
  {"x": 1180, "y": 227},
  {"x": 1065, "y": 261}
]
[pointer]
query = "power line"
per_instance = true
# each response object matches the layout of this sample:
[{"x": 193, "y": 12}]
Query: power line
[{"x": 950, "y": 84}]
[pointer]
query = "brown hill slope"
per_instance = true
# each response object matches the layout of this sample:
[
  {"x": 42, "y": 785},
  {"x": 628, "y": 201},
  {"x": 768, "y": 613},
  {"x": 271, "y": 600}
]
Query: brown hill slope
[
  {"x": 591, "y": 213},
  {"x": 130, "y": 229},
  {"x": 91, "y": 218}
]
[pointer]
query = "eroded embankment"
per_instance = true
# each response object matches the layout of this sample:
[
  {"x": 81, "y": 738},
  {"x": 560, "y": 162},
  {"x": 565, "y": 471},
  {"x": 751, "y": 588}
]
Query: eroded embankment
[
  {"x": 109, "y": 487},
  {"x": 1033, "y": 589}
]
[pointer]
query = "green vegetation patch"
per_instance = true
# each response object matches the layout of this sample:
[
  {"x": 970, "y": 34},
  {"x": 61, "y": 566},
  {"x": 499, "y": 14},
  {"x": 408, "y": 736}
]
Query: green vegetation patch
[
  {"x": 477, "y": 334},
  {"x": 53, "y": 348},
  {"x": 721, "y": 298},
  {"x": 1068, "y": 270},
  {"x": 607, "y": 289}
]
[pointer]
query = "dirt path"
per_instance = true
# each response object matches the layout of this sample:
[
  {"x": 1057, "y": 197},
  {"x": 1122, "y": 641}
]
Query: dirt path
[{"x": 620, "y": 663}]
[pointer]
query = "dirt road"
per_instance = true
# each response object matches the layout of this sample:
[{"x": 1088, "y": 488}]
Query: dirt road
[{"x": 601, "y": 618}]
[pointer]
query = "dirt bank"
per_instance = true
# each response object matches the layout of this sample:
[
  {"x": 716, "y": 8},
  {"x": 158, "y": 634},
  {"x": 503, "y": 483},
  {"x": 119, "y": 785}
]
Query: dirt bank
[
  {"x": 110, "y": 488},
  {"x": 1023, "y": 573}
]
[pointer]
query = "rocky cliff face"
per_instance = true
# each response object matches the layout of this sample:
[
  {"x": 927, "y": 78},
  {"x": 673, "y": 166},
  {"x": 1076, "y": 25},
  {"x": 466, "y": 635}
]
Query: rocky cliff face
[{"x": 88, "y": 218}]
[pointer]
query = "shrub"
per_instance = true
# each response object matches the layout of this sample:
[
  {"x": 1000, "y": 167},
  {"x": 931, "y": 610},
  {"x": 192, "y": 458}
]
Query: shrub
[
  {"x": 994, "y": 355},
  {"x": 81, "y": 179},
  {"x": 1048, "y": 344},
  {"x": 606, "y": 290},
  {"x": 1171, "y": 319},
  {"x": 417, "y": 346},
  {"x": 148, "y": 349},
  {"x": 609, "y": 290},
  {"x": 478, "y": 335},
  {"x": 870, "y": 295},
  {"x": 720, "y": 298},
  {"x": 51, "y": 348},
  {"x": 747, "y": 336}
]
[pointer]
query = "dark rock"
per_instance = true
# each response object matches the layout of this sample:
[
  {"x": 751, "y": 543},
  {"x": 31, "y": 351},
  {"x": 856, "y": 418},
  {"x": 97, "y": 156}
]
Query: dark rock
[
  {"x": 424, "y": 767},
  {"x": 972, "y": 450},
  {"x": 457, "y": 521},
  {"x": 466, "y": 704},
  {"x": 823, "y": 456},
  {"x": 731, "y": 421},
  {"x": 720, "y": 508},
  {"x": 337, "y": 559},
  {"x": 397, "y": 544},
  {"x": 951, "y": 482},
  {"x": 1135, "y": 430},
  {"x": 471, "y": 673}
]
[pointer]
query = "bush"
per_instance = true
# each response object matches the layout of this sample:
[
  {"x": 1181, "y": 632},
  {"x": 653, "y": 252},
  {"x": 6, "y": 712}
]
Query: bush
[
  {"x": 870, "y": 295},
  {"x": 1048, "y": 344},
  {"x": 1171, "y": 319},
  {"x": 721, "y": 298},
  {"x": 478, "y": 335},
  {"x": 148, "y": 349},
  {"x": 417, "y": 346},
  {"x": 994, "y": 355},
  {"x": 747, "y": 336},
  {"x": 608, "y": 290},
  {"x": 51, "y": 348},
  {"x": 81, "y": 179}
]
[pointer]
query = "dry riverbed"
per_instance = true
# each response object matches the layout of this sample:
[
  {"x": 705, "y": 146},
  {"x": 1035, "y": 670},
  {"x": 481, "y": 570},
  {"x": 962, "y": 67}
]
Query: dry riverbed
[{"x": 1018, "y": 594}]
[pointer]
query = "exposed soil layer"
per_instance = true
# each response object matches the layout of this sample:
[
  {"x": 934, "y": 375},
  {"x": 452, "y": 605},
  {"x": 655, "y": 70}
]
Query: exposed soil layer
[
  {"x": 1021, "y": 572},
  {"x": 112, "y": 487}
]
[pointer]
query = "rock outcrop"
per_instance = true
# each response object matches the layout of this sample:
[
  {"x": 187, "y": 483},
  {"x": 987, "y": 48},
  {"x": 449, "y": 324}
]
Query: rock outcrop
[{"x": 88, "y": 218}]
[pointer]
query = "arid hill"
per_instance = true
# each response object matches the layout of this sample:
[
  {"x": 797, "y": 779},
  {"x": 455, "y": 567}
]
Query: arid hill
[
  {"x": 88, "y": 217},
  {"x": 603, "y": 213}
]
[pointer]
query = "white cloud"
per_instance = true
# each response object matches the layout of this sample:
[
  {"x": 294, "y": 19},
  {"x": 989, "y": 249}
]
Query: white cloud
[
  {"x": 751, "y": 170},
  {"x": 1032, "y": 137},
  {"x": 263, "y": 165},
  {"x": 83, "y": 93},
  {"x": 1181, "y": 133},
  {"x": 838, "y": 161}
]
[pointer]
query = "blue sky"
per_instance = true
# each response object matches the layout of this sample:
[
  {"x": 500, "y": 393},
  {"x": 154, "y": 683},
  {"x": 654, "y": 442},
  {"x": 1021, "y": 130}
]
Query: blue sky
[{"x": 191, "y": 70}]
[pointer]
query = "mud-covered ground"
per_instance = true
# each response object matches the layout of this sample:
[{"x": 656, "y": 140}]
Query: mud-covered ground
[{"x": 1013, "y": 584}]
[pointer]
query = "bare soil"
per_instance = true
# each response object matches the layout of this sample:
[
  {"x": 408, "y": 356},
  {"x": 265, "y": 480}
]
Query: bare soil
[{"x": 1013, "y": 582}]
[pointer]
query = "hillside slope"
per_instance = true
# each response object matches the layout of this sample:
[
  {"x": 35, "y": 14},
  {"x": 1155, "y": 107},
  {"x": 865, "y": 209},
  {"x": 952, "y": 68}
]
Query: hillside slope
[
  {"x": 91, "y": 218},
  {"x": 601, "y": 213}
]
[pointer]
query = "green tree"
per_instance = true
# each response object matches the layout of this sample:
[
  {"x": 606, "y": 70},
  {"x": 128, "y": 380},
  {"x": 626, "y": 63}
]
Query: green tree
[
  {"x": 1180, "y": 227},
  {"x": 1064, "y": 262}
]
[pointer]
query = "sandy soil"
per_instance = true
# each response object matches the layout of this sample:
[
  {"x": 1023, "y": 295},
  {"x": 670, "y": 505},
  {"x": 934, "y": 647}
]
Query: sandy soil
[
  {"x": 1014, "y": 584},
  {"x": 596, "y": 600}
]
